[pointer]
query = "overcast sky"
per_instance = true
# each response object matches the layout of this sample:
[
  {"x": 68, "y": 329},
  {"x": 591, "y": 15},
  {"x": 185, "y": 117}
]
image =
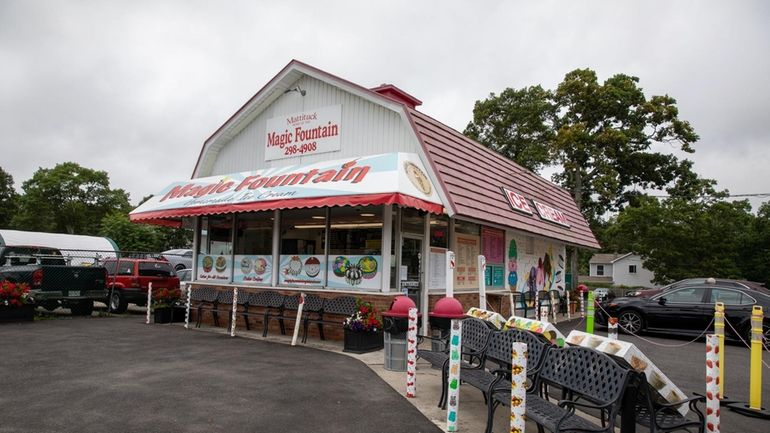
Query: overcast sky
[{"x": 135, "y": 87}]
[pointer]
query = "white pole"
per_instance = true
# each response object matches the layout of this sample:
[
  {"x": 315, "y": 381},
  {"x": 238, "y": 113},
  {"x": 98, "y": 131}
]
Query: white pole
[
  {"x": 712, "y": 387},
  {"x": 149, "y": 301},
  {"x": 234, "y": 316},
  {"x": 582, "y": 305},
  {"x": 518, "y": 386},
  {"x": 553, "y": 306},
  {"x": 187, "y": 310},
  {"x": 298, "y": 321},
  {"x": 482, "y": 267},
  {"x": 513, "y": 306},
  {"x": 450, "y": 274},
  {"x": 612, "y": 328},
  {"x": 537, "y": 305},
  {"x": 453, "y": 379},
  {"x": 566, "y": 295},
  {"x": 411, "y": 354},
  {"x": 544, "y": 314}
]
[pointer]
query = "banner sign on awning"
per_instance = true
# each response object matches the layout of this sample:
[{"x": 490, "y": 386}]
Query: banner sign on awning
[{"x": 377, "y": 179}]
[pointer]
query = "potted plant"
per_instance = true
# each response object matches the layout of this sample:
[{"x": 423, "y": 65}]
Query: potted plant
[
  {"x": 164, "y": 305},
  {"x": 363, "y": 329},
  {"x": 16, "y": 305}
]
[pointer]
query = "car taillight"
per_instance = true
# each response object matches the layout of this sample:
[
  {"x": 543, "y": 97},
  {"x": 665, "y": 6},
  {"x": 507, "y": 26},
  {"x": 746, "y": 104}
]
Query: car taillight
[
  {"x": 37, "y": 278},
  {"x": 135, "y": 283}
]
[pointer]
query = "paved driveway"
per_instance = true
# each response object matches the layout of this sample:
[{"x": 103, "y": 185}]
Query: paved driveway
[{"x": 120, "y": 375}]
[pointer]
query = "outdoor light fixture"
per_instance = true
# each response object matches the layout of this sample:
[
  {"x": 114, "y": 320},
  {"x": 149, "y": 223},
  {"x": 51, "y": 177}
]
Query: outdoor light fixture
[
  {"x": 367, "y": 214},
  {"x": 339, "y": 226},
  {"x": 318, "y": 217},
  {"x": 295, "y": 89}
]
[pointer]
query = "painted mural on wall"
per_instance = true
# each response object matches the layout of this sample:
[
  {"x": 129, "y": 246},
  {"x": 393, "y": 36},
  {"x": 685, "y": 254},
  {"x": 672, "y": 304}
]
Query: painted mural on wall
[{"x": 541, "y": 268}]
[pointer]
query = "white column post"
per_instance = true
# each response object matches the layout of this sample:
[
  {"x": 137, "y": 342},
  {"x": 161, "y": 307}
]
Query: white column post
[
  {"x": 553, "y": 306},
  {"x": 566, "y": 296},
  {"x": 425, "y": 263},
  {"x": 187, "y": 310},
  {"x": 276, "y": 247},
  {"x": 450, "y": 274},
  {"x": 387, "y": 239},
  {"x": 518, "y": 386},
  {"x": 712, "y": 388},
  {"x": 482, "y": 273}
]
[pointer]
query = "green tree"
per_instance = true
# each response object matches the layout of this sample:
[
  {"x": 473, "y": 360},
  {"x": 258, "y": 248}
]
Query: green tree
[
  {"x": 682, "y": 238},
  {"x": 8, "y": 198},
  {"x": 129, "y": 236},
  {"x": 601, "y": 134},
  {"x": 68, "y": 199},
  {"x": 755, "y": 256}
]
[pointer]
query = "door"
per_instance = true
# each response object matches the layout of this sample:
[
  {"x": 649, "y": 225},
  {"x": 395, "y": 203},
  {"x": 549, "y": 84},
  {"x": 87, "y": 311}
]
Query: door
[
  {"x": 683, "y": 309},
  {"x": 410, "y": 274}
]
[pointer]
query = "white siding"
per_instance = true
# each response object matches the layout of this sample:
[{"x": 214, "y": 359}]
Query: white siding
[
  {"x": 621, "y": 276},
  {"x": 366, "y": 129}
]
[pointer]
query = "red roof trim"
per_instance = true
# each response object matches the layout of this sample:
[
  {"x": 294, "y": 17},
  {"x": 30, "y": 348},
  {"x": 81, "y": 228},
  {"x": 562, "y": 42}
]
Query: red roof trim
[{"x": 345, "y": 200}]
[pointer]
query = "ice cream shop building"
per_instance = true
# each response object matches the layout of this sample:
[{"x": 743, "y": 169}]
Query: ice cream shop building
[{"x": 320, "y": 185}]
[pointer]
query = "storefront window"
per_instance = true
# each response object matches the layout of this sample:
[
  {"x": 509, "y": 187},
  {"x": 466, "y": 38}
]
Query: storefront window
[
  {"x": 412, "y": 221},
  {"x": 439, "y": 231},
  {"x": 215, "y": 260},
  {"x": 253, "y": 248},
  {"x": 439, "y": 243},
  {"x": 355, "y": 247},
  {"x": 303, "y": 247}
]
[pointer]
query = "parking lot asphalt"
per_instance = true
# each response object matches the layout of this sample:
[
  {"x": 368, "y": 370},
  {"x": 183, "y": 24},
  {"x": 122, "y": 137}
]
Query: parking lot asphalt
[
  {"x": 119, "y": 375},
  {"x": 685, "y": 365}
]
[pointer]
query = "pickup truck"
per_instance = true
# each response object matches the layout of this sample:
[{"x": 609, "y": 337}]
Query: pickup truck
[{"x": 51, "y": 281}]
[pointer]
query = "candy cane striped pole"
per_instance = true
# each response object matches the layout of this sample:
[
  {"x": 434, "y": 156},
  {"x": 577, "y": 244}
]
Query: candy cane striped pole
[
  {"x": 235, "y": 312},
  {"x": 298, "y": 321},
  {"x": 553, "y": 305},
  {"x": 569, "y": 315},
  {"x": 518, "y": 387},
  {"x": 411, "y": 354},
  {"x": 582, "y": 306},
  {"x": 712, "y": 386},
  {"x": 149, "y": 302},
  {"x": 453, "y": 378},
  {"x": 187, "y": 309}
]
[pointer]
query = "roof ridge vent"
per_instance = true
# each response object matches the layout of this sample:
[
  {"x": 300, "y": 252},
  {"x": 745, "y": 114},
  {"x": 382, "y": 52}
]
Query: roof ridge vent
[{"x": 392, "y": 92}]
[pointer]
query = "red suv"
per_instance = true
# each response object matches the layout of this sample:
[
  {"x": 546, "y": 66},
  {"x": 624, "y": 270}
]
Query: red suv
[{"x": 128, "y": 280}]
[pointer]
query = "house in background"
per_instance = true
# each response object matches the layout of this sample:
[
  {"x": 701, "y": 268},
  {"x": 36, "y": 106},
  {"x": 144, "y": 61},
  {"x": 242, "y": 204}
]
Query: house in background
[{"x": 620, "y": 270}]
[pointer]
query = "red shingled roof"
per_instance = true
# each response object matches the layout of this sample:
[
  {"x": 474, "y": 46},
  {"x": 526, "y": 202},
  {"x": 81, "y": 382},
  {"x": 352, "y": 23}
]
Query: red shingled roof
[{"x": 472, "y": 176}]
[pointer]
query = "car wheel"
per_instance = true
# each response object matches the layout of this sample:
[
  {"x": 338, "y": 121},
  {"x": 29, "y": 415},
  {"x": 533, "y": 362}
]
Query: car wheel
[
  {"x": 82, "y": 308},
  {"x": 630, "y": 321},
  {"x": 179, "y": 267},
  {"x": 118, "y": 302}
]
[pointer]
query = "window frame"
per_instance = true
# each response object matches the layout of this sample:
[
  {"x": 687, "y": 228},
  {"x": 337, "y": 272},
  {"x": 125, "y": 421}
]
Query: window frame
[{"x": 599, "y": 270}]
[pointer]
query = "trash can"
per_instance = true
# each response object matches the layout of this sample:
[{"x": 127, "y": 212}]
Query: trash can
[
  {"x": 395, "y": 323},
  {"x": 440, "y": 319}
]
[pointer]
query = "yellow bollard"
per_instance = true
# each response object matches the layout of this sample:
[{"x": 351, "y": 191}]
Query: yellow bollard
[
  {"x": 719, "y": 331},
  {"x": 755, "y": 384}
]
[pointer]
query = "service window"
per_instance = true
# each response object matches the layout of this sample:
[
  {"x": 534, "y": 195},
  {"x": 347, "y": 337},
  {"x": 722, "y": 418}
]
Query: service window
[
  {"x": 355, "y": 248},
  {"x": 303, "y": 247},
  {"x": 254, "y": 248}
]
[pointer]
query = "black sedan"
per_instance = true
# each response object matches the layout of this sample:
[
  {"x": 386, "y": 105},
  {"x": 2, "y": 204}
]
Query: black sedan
[{"x": 688, "y": 310}]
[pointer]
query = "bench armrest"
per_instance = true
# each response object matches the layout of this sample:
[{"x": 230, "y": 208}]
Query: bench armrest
[
  {"x": 692, "y": 401},
  {"x": 569, "y": 404}
]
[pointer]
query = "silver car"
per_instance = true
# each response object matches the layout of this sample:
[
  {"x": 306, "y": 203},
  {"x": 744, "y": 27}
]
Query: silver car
[{"x": 179, "y": 259}]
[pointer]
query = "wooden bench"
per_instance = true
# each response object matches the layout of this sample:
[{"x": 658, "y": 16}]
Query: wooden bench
[{"x": 587, "y": 379}]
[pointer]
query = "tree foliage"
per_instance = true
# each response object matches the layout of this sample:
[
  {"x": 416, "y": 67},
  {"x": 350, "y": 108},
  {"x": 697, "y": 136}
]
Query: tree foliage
[
  {"x": 142, "y": 237},
  {"x": 680, "y": 238},
  {"x": 601, "y": 134},
  {"x": 8, "y": 198},
  {"x": 68, "y": 199}
]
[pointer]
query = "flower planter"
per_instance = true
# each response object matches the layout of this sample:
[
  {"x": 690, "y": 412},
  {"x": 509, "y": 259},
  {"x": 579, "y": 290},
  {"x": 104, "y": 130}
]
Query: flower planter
[
  {"x": 25, "y": 313},
  {"x": 362, "y": 341},
  {"x": 169, "y": 314}
]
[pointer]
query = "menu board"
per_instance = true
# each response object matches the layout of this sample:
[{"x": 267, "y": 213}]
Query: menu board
[
  {"x": 355, "y": 272},
  {"x": 466, "y": 270},
  {"x": 213, "y": 267},
  {"x": 493, "y": 245},
  {"x": 437, "y": 269},
  {"x": 302, "y": 269},
  {"x": 494, "y": 276},
  {"x": 252, "y": 269}
]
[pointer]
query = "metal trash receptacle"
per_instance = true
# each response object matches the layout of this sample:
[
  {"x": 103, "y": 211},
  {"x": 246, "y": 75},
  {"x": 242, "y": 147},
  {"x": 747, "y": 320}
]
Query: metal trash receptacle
[{"x": 395, "y": 351}]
